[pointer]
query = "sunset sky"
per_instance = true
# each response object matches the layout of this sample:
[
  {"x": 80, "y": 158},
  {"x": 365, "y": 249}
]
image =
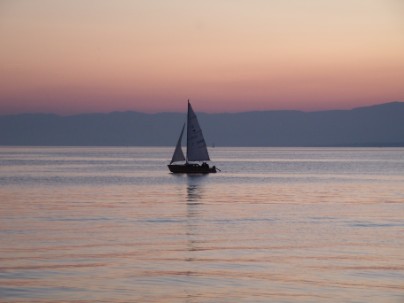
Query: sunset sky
[{"x": 68, "y": 57}]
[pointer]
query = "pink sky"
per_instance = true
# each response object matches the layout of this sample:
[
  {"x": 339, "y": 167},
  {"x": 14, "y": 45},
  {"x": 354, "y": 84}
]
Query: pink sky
[{"x": 71, "y": 57}]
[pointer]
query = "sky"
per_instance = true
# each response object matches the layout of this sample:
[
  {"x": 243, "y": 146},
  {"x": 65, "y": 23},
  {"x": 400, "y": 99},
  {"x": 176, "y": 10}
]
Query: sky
[{"x": 81, "y": 56}]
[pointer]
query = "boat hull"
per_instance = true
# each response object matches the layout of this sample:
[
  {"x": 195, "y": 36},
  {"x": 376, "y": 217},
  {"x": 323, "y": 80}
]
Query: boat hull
[{"x": 191, "y": 169}]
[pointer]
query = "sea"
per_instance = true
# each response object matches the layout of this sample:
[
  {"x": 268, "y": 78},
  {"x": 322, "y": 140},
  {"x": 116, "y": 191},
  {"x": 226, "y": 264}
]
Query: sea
[{"x": 111, "y": 224}]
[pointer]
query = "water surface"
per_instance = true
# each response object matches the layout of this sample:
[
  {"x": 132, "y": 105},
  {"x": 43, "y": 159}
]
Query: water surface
[{"x": 276, "y": 225}]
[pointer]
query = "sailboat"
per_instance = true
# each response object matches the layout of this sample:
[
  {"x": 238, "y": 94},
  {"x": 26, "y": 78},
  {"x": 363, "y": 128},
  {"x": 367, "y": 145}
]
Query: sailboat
[{"x": 196, "y": 149}]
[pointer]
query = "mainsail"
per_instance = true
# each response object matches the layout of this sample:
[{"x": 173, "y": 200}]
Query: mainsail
[
  {"x": 196, "y": 145},
  {"x": 178, "y": 154}
]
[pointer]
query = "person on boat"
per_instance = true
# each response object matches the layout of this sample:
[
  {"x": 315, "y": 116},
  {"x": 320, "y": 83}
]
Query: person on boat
[{"x": 204, "y": 164}]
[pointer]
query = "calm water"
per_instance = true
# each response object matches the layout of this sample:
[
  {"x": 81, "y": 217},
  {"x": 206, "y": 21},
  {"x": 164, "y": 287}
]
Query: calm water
[{"x": 276, "y": 225}]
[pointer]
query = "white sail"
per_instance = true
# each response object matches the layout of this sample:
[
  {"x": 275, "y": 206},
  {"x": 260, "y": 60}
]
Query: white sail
[
  {"x": 178, "y": 154},
  {"x": 196, "y": 145}
]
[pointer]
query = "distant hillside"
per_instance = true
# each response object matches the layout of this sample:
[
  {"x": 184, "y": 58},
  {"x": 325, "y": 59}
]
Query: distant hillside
[{"x": 380, "y": 125}]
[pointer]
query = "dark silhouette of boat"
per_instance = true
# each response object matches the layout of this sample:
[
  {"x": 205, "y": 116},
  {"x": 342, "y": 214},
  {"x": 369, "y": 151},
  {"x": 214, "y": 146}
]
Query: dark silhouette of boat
[{"x": 197, "y": 150}]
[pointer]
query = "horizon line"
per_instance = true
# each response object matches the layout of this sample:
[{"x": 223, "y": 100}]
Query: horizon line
[{"x": 200, "y": 112}]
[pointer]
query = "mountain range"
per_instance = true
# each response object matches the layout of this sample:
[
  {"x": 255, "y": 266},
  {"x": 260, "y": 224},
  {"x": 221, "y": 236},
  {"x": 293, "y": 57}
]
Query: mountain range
[{"x": 378, "y": 125}]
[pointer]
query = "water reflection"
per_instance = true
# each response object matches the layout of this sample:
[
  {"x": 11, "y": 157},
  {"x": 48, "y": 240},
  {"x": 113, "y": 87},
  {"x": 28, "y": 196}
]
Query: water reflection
[
  {"x": 193, "y": 194},
  {"x": 194, "y": 205},
  {"x": 194, "y": 188}
]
